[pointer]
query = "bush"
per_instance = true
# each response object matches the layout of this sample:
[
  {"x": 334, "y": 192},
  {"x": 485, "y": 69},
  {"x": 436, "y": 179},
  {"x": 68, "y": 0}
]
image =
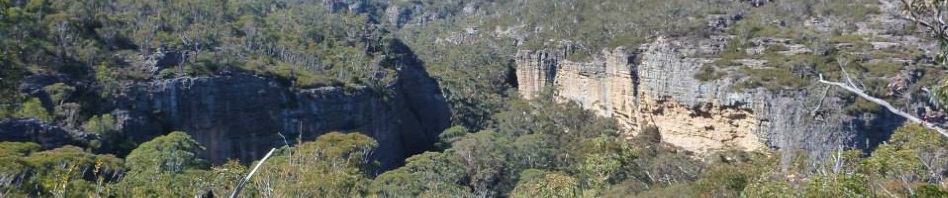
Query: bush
[
  {"x": 59, "y": 92},
  {"x": 549, "y": 185},
  {"x": 167, "y": 73},
  {"x": 708, "y": 73},
  {"x": 33, "y": 108},
  {"x": 302, "y": 78},
  {"x": 67, "y": 171},
  {"x": 174, "y": 152}
]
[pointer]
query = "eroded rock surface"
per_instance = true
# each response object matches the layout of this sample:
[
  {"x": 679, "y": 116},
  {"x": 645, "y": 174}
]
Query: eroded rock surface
[
  {"x": 242, "y": 115},
  {"x": 655, "y": 84},
  {"x": 46, "y": 135}
]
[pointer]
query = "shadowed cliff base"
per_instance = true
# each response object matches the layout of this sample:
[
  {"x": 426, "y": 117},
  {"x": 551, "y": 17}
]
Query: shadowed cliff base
[{"x": 242, "y": 115}]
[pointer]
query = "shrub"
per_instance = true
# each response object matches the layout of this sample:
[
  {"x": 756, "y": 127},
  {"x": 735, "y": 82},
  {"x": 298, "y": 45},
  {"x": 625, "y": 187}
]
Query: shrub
[
  {"x": 59, "y": 92},
  {"x": 167, "y": 73},
  {"x": 33, "y": 108},
  {"x": 708, "y": 73}
]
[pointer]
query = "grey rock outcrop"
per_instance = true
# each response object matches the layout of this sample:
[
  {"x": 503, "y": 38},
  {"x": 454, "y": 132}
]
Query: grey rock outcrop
[
  {"x": 45, "y": 134},
  {"x": 243, "y": 115}
]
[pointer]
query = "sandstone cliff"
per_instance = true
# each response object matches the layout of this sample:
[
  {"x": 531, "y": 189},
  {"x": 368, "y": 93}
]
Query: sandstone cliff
[{"x": 655, "y": 84}]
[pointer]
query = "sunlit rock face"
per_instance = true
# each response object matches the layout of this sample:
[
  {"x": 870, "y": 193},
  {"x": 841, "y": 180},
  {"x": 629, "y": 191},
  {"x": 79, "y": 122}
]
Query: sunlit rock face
[{"x": 654, "y": 84}]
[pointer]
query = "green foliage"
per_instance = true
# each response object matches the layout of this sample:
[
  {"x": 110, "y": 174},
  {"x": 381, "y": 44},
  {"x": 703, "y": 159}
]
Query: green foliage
[
  {"x": 11, "y": 149},
  {"x": 11, "y": 154},
  {"x": 670, "y": 191},
  {"x": 708, "y": 73},
  {"x": 779, "y": 188},
  {"x": 33, "y": 108},
  {"x": 722, "y": 182},
  {"x": 173, "y": 153},
  {"x": 549, "y": 185},
  {"x": 59, "y": 92},
  {"x": 107, "y": 78},
  {"x": 334, "y": 165},
  {"x": 63, "y": 172},
  {"x": 451, "y": 135},
  {"x": 166, "y": 73},
  {"x": 941, "y": 94},
  {"x": 931, "y": 191},
  {"x": 168, "y": 165},
  {"x": 607, "y": 161},
  {"x": 301, "y": 78},
  {"x": 838, "y": 185},
  {"x": 485, "y": 155},
  {"x": 910, "y": 164},
  {"x": 474, "y": 79},
  {"x": 911, "y": 150},
  {"x": 424, "y": 175},
  {"x": 775, "y": 79},
  {"x": 783, "y": 20},
  {"x": 106, "y": 127}
]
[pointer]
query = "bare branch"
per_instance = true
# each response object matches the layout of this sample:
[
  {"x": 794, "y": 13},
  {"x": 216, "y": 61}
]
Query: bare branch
[
  {"x": 885, "y": 104},
  {"x": 820, "y": 104},
  {"x": 244, "y": 181},
  {"x": 842, "y": 67}
]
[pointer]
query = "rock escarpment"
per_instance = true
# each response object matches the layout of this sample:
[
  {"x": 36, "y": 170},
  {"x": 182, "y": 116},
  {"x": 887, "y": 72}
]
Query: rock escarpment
[
  {"x": 655, "y": 84},
  {"x": 46, "y": 135},
  {"x": 243, "y": 115}
]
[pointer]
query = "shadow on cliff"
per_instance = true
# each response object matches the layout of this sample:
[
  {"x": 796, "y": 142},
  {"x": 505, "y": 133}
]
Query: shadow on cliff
[
  {"x": 422, "y": 99},
  {"x": 878, "y": 129},
  {"x": 242, "y": 115}
]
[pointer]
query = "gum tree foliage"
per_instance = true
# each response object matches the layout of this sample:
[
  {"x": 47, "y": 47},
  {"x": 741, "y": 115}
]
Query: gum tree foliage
[
  {"x": 548, "y": 185},
  {"x": 67, "y": 171},
  {"x": 334, "y": 165},
  {"x": 168, "y": 165},
  {"x": 429, "y": 174},
  {"x": 931, "y": 14},
  {"x": 174, "y": 152}
]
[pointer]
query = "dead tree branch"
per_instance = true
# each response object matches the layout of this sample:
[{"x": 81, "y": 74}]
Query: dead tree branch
[
  {"x": 820, "y": 104},
  {"x": 244, "y": 181},
  {"x": 885, "y": 104}
]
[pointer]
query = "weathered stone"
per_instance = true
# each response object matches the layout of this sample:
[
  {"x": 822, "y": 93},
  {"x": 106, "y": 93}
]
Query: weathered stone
[
  {"x": 655, "y": 85},
  {"x": 34, "y": 130},
  {"x": 243, "y": 116}
]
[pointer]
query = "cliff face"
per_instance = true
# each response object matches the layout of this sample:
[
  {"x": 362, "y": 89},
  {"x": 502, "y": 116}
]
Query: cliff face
[
  {"x": 655, "y": 84},
  {"x": 243, "y": 116},
  {"x": 46, "y": 135}
]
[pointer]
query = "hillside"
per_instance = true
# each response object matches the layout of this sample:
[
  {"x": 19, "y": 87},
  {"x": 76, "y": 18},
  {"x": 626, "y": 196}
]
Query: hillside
[{"x": 474, "y": 98}]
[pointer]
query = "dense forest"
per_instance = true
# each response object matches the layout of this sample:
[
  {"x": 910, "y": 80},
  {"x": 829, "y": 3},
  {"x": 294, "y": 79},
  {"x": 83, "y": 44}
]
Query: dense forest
[{"x": 76, "y": 67}]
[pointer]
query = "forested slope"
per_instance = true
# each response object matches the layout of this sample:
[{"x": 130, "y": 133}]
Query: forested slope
[{"x": 427, "y": 98}]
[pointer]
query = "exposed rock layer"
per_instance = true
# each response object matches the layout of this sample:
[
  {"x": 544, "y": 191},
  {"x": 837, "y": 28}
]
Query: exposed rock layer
[
  {"x": 655, "y": 84},
  {"x": 243, "y": 116},
  {"x": 46, "y": 135}
]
